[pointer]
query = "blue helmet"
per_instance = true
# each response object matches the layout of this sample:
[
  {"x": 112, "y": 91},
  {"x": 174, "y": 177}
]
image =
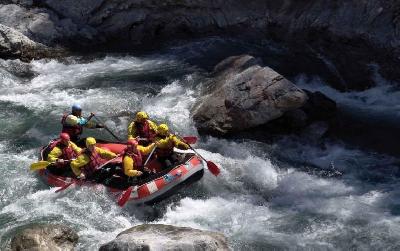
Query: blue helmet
[{"x": 76, "y": 107}]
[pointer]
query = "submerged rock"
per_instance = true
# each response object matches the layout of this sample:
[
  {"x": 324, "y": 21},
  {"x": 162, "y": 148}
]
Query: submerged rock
[
  {"x": 45, "y": 237},
  {"x": 244, "y": 95},
  {"x": 166, "y": 237}
]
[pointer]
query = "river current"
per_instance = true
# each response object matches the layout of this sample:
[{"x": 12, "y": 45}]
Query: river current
[{"x": 290, "y": 194}]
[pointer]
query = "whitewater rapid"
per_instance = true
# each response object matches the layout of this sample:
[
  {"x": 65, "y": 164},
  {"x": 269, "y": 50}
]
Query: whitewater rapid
[{"x": 268, "y": 196}]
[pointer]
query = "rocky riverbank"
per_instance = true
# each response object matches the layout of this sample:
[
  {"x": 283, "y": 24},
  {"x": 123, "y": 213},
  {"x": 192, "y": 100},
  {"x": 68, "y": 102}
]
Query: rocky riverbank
[
  {"x": 142, "y": 237},
  {"x": 344, "y": 42}
]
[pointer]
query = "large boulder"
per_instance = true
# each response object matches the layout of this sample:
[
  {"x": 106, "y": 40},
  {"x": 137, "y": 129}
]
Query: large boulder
[
  {"x": 14, "y": 44},
  {"x": 243, "y": 95},
  {"x": 45, "y": 237},
  {"x": 166, "y": 237}
]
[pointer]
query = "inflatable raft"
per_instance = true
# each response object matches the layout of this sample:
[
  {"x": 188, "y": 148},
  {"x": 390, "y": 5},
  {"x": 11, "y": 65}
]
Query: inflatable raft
[{"x": 148, "y": 189}]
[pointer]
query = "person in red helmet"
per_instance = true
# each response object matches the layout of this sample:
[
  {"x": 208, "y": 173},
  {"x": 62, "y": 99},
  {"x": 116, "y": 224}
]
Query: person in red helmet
[
  {"x": 133, "y": 157},
  {"x": 62, "y": 152}
]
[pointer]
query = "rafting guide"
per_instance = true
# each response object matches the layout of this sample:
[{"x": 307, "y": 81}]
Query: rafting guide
[{"x": 144, "y": 169}]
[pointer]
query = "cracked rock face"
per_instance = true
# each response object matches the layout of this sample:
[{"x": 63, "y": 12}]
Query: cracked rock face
[
  {"x": 243, "y": 95},
  {"x": 166, "y": 237}
]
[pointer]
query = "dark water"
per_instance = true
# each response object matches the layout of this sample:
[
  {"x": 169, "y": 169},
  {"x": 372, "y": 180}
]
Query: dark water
[{"x": 292, "y": 194}]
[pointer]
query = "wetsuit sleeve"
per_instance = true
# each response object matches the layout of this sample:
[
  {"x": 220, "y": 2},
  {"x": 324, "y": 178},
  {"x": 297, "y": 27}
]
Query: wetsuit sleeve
[
  {"x": 105, "y": 154},
  {"x": 131, "y": 131},
  {"x": 146, "y": 150},
  {"x": 129, "y": 167},
  {"x": 153, "y": 126},
  {"x": 78, "y": 163},
  {"x": 76, "y": 148},
  {"x": 162, "y": 143},
  {"x": 179, "y": 144},
  {"x": 54, "y": 154}
]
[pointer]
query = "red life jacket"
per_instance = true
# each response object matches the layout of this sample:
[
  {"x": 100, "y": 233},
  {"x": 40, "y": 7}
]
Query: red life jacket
[
  {"x": 95, "y": 162},
  {"x": 144, "y": 130},
  {"x": 73, "y": 131},
  {"x": 136, "y": 156},
  {"x": 67, "y": 151}
]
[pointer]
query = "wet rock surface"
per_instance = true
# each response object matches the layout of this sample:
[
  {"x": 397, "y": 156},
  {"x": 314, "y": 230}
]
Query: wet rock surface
[
  {"x": 243, "y": 95},
  {"x": 45, "y": 237},
  {"x": 166, "y": 237}
]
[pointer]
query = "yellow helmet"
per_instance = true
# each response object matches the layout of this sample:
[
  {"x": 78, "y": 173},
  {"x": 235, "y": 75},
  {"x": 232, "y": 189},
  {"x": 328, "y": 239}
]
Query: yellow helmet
[
  {"x": 90, "y": 141},
  {"x": 140, "y": 116},
  {"x": 163, "y": 129}
]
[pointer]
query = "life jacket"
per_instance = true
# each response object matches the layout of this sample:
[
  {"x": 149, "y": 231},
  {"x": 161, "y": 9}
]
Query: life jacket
[
  {"x": 167, "y": 150},
  {"x": 144, "y": 130},
  {"x": 73, "y": 131},
  {"x": 67, "y": 152},
  {"x": 95, "y": 162},
  {"x": 136, "y": 156}
]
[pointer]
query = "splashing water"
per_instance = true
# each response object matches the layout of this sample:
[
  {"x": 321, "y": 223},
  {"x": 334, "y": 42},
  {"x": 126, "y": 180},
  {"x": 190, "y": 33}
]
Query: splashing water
[{"x": 264, "y": 198}]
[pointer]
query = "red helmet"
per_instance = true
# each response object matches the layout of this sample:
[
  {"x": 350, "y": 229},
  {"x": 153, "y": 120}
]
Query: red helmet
[
  {"x": 64, "y": 136},
  {"x": 132, "y": 142}
]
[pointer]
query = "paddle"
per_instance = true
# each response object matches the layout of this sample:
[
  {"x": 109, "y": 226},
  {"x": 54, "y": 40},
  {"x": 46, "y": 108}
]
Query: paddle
[
  {"x": 108, "y": 130},
  {"x": 43, "y": 164},
  {"x": 190, "y": 139},
  {"x": 65, "y": 186},
  {"x": 40, "y": 165},
  {"x": 212, "y": 167},
  {"x": 123, "y": 199}
]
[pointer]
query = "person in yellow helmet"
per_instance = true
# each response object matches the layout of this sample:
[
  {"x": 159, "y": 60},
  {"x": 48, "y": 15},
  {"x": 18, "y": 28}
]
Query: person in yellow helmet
[
  {"x": 88, "y": 162},
  {"x": 142, "y": 127},
  {"x": 62, "y": 151},
  {"x": 166, "y": 142},
  {"x": 133, "y": 158}
]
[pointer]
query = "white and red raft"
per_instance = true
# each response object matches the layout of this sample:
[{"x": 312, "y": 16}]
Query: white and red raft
[{"x": 144, "y": 190}]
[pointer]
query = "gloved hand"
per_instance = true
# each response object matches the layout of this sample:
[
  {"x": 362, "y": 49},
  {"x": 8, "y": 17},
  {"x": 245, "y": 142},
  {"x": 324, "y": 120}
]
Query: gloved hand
[{"x": 134, "y": 173}]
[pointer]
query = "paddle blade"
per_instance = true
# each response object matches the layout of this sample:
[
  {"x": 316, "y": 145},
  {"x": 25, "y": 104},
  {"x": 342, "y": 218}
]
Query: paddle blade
[
  {"x": 190, "y": 140},
  {"x": 124, "y": 197},
  {"x": 213, "y": 168},
  {"x": 39, "y": 165},
  {"x": 65, "y": 187}
]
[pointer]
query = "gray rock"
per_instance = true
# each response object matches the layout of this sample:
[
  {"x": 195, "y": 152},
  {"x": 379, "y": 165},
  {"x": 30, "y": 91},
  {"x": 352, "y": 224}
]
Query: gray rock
[
  {"x": 14, "y": 43},
  {"x": 45, "y": 237},
  {"x": 166, "y": 237},
  {"x": 244, "y": 95},
  {"x": 327, "y": 34}
]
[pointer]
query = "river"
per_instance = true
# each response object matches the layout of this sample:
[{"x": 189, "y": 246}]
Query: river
[{"x": 290, "y": 194}]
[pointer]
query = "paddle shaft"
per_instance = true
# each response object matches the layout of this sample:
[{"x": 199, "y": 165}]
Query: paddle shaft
[
  {"x": 148, "y": 158},
  {"x": 108, "y": 130},
  {"x": 108, "y": 161}
]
